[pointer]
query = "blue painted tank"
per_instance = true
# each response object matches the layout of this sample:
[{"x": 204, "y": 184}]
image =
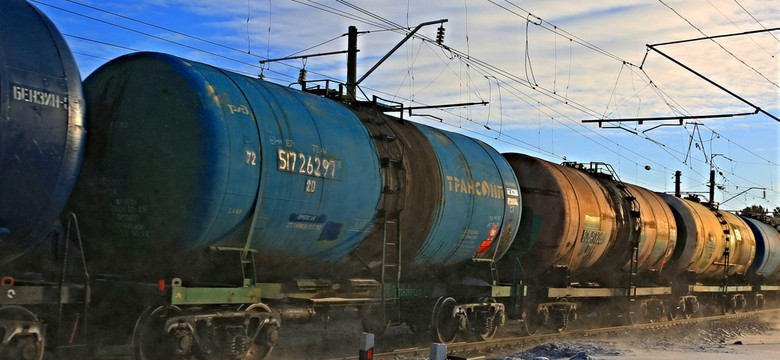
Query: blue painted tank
[
  {"x": 767, "y": 261},
  {"x": 182, "y": 155},
  {"x": 185, "y": 157},
  {"x": 41, "y": 126},
  {"x": 480, "y": 202},
  {"x": 452, "y": 199}
]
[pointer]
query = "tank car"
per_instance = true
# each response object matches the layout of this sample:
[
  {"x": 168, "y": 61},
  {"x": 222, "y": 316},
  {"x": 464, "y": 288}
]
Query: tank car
[
  {"x": 714, "y": 252},
  {"x": 587, "y": 237},
  {"x": 198, "y": 173},
  {"x": 42, "y": 127},
  {"x": 767, "y": 260},
  {"x": 764, "y": 274},
  {"x": 41, "y": 139}
]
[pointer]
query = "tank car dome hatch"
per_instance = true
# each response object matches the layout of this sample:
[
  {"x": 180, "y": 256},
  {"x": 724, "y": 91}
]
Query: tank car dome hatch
[
  {"x": 767, "y": 261},
  {"x": 184, "y": 157},
  {"x": 42, "y": 124},
  {"x": 704, "y": 235}
]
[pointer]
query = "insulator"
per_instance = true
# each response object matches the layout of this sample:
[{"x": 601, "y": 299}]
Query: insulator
[
  {"x": 302, "y": 76},
  {"x": 440, "y": 35}
]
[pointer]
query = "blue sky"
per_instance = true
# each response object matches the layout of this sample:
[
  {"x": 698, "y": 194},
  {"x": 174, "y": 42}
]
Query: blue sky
[{"x": 543, "y": 66}]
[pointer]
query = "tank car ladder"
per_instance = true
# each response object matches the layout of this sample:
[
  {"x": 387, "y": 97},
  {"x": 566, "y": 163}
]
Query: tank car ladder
[
  {"x": 391, "y": 154},
  {"x": 726, "y": 256},
  {"x": 391, "y": 237},
  {"x": 636, "y": 219}
]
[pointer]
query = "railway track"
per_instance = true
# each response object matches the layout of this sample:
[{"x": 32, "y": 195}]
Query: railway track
[{"x": 512, "y": 342}]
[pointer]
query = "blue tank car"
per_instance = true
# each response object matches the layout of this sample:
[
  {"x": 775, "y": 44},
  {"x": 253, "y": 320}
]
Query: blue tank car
[
  {"x": 41, "y": 127},
  {"x": 767, "y": 261},
  {"x": 184, "y": 157}
]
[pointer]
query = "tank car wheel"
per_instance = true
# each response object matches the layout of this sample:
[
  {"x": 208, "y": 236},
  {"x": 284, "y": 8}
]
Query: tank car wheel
[
  {"x": 372, "y": 320},
  {"x": 150, "y": 342},
  {"x": 531, "y": 322},
  {"x": 264, "y": 336},
  {"x": 21, "y": 346},
  {"x": 444, "y": 325}
]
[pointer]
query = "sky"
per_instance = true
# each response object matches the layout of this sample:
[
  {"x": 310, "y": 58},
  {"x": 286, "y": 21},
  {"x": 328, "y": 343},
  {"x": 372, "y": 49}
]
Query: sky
[{"x": 542, "y": 67}]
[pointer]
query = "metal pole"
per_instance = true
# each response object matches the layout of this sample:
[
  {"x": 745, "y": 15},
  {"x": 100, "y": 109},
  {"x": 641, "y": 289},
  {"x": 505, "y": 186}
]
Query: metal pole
[
  {"x": 352, "y": 51},
  {"x": 677, "y": 176},
  {"x": 712, "y": 188}
]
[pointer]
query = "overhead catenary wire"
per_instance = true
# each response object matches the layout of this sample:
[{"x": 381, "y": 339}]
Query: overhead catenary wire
[{"x": 479, "y": 65}]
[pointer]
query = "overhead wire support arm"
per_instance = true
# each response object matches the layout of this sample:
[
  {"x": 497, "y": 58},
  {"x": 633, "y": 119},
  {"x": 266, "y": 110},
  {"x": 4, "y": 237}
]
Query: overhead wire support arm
[
  {"x": 680, "y": 119},
  {"x": 758, "y": 109},
  {"x": 303, "y": 56},
  {"x": 408, "y": 36},
  {"x": 441, "y": 106},
  {"x": 744, "y": 191}
]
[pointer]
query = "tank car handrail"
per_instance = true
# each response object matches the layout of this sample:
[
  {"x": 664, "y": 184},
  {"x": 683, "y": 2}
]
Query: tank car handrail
[{"x": 73, "y": 224}]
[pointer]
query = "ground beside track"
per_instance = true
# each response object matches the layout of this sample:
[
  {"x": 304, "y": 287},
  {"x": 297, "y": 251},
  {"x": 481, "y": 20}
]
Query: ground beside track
[
  {"x": 712, "y": 338},
  {"x": 745, "y": 338}
]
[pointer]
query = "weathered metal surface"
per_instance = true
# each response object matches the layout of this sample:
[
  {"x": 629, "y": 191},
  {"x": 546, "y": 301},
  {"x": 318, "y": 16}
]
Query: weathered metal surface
[
  {"x": 567, "y": 219},
  {"x": 604, "y": 292},
  {"x": 476, "y": 205},
  {"x": 41, "y": 122},
  {"x": 705, "y": 237},
  {"x": 658, "y": 232},
  {"x": 184, "y": 156},
  {"x": 767, "y": 261}
]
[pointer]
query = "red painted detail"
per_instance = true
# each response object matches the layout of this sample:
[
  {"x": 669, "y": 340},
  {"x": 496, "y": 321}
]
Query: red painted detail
[
  {"x": 487, "y": 242},
  {"x": 161, "y": 285},
  {"x": 7, "y": 281}
]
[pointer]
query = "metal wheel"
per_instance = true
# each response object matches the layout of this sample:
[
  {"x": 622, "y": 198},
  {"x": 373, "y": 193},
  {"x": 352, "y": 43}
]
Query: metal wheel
[
  {"x": 531, "y": 322},
  {"x": 24, "y": 345},
  {"x": 444, "y": 325},
  {"x": 263, "y": 336},
  {"x": 151, "y": 342},
  {"x": 372, "y": 320}
]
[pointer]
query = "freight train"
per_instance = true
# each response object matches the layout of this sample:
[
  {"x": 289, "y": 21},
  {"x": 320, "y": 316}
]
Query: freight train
[{"x": 210, "y": 208}]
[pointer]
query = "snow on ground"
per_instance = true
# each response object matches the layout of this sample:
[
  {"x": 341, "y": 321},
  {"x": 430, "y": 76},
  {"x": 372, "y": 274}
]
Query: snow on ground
[{"x": 734, "y": 339}]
